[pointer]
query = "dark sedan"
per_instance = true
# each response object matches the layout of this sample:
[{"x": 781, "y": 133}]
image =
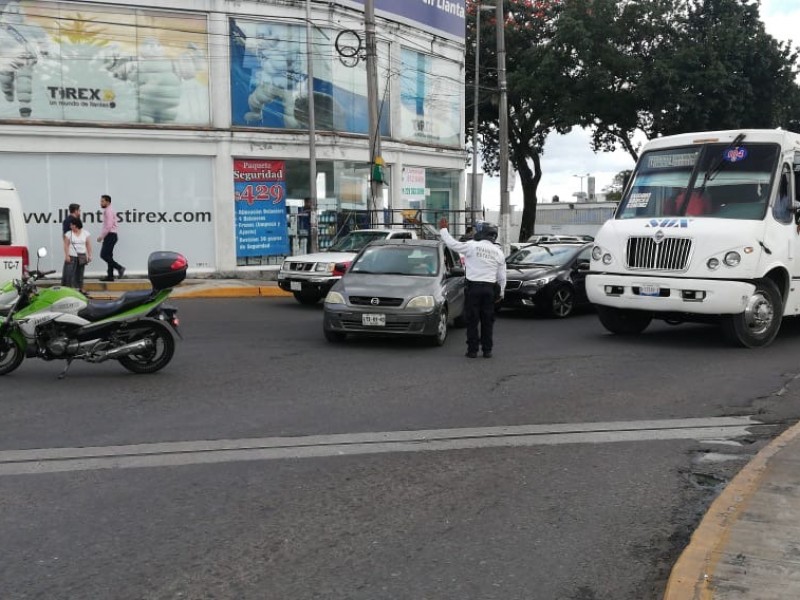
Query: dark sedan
[
  {"x": 397, "y": 287},
  {"x": 548, "y": 277}
]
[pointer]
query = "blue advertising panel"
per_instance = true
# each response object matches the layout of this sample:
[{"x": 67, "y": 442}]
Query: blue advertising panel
[
  {"x": 430, "y": 99},
  {"x": 446, "y": 16},
  {"x": 269, "y": 81},
  {"x": 260, "y": 187}
]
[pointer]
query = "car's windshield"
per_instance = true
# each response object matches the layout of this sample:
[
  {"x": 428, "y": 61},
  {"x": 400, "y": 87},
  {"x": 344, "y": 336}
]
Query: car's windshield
[
  {"x": 356, "y": 240},
  {"x": 547, "y": 255},
  {"x": 420, "y": 261},
  {"x": 712, "y": 180}
]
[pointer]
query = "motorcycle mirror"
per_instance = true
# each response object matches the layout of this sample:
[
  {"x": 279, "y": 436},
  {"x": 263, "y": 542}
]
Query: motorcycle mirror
[{"x": 41, "y": 252}]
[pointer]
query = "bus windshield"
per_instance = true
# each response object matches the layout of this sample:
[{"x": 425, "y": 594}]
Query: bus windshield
[{"x": 712, "y": 180}]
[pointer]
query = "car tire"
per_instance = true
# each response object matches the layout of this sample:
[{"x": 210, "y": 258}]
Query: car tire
[
  {"x": 307, "y": 298},
  {"x": 441, "y": 330},
  {"x": 623, "y": 322},
  {"x": 758, "y": 325},
  {"x": 562, "y": 302},
  {"x": 334, "y": 337}
]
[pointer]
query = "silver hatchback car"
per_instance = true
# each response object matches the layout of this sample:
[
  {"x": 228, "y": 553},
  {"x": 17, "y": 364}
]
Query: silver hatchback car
[{"x": 400, "y": 288}]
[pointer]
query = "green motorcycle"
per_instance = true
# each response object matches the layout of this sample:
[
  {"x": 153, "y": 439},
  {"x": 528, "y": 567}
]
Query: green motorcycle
[{"x": 138, "y": 330}]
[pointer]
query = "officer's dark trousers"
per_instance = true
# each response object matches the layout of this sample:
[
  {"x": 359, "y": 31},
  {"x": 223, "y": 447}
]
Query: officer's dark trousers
[{"x": 479, "y": 310}]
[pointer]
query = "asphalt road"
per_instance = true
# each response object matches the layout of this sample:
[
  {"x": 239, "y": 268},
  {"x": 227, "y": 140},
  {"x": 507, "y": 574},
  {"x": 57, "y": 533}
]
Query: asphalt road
[{"x": 378, "y": 468}]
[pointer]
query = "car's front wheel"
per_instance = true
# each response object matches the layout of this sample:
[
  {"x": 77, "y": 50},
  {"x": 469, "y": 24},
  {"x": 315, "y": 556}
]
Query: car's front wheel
[
  {"x": 439, "y": 338},
  {"x": 562, "y": 302}
]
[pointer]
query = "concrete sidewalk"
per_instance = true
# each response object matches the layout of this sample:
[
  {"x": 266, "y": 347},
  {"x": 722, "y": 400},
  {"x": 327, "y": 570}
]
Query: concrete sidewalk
[
  {"x": 190, "y": 288},
  {"x": 747, "y": 547}
]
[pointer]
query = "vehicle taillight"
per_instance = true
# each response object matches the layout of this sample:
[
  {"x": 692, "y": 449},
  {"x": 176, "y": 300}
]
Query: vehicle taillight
[
  {"x": 25, "y": 260},
  {"x": 179, "y": 263},
  {"x": 341, "y": 268}
]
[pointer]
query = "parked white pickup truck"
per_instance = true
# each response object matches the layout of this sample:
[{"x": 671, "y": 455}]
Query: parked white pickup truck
[{"x": 310, "y": 276}]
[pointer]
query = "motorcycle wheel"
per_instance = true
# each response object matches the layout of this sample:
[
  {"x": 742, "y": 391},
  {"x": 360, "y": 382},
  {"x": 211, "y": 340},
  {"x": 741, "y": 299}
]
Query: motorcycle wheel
[
  {"x": 11, "y": 355},
  {"x": 154, "y": 358}
]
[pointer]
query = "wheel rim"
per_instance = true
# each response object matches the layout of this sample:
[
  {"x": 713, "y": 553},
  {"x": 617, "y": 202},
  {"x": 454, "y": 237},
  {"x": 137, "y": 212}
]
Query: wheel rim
[
  {"x": 562, "y": 302},
  {"x": 441, "y": 330},
  {"x": 759, "y": 314}
]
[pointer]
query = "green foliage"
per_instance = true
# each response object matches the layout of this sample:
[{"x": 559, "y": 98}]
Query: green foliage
[{"x": 619, "y": 67}]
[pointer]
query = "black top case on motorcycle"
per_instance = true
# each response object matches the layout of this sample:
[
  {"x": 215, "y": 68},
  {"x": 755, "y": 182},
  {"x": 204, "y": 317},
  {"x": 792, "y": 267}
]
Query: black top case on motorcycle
[{"x": 166, "y": 269}]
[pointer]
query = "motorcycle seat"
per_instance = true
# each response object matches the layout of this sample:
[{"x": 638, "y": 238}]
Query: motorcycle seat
[{"x": 98, "y": 310}]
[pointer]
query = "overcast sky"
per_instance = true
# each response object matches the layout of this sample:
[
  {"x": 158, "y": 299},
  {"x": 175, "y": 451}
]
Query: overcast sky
[{"x": 568, "y": 155}]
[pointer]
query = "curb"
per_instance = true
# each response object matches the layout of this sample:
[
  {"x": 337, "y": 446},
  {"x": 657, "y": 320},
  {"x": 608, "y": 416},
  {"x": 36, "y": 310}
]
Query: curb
[
  {"x": 232, "y": 292},
  {"x": 692, "y": 577}
]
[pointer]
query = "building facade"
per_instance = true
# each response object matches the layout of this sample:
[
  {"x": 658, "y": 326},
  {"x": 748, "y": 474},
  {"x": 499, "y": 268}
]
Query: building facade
[{"x": 193, "y": 115}]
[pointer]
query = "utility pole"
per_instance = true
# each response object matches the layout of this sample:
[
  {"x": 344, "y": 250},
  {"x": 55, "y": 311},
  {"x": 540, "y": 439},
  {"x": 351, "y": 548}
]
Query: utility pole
[
  {"x": 505, "y": 208},
  {"x": 474, "y": 200},
  {"x": 312, "y": 135},
  {"x": 376, "y": 184}
]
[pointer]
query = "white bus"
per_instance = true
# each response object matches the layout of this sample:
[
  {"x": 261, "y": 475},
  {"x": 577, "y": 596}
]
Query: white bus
[{"x": 706, "y": 230}]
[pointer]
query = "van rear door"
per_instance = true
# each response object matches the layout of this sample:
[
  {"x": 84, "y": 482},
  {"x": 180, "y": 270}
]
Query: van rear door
[{"x": 13, "y": 257}]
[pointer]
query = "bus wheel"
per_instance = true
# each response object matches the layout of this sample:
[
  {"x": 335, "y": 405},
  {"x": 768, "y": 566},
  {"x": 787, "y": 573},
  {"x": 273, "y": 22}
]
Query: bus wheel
[
  {"x": 623, "y": 322},
  {"x": 758, "y": 325}
]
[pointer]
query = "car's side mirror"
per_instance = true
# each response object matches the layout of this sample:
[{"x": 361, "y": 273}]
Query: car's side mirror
[{"x": 457, "y": 272}]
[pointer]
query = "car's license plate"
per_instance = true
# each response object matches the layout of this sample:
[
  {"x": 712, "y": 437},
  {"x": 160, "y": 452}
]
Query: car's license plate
[
  {"x": 373, "y": 320},
  {"x": 649, "y": 290},
  {"x": 296, "y": 286}
]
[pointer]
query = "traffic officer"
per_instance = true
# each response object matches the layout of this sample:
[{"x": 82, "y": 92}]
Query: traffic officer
[{"x": 486, "y": 282}]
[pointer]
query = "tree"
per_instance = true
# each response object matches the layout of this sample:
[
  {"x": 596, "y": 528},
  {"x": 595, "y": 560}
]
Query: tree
[
  {"x": 614, "y": 190},
  {"x": 671, "y": 66},
  {"x": 535, "y": 97}
]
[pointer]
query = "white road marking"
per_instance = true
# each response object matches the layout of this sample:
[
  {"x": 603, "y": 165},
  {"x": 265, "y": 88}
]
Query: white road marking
[{"x": 169, "y": 454}]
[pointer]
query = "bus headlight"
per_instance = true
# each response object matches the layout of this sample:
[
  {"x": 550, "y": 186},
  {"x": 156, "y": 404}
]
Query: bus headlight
[{"x": 732, "y": 258}]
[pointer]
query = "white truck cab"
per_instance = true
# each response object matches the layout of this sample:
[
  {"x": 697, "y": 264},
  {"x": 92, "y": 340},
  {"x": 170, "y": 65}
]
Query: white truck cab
[
  {"x": 309, "y": 277},
  {"x": 13, "y": 234},
  {"x": 706, "y": 230}
]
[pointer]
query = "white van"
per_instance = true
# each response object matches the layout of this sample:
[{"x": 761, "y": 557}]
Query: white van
[
  {"x": 13, "y": 234},
  {"x": 706, "y": 231}
]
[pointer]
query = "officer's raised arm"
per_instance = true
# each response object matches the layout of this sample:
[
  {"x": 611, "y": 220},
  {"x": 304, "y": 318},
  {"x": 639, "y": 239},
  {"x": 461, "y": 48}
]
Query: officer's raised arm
[{"x": 449, "y": 240}]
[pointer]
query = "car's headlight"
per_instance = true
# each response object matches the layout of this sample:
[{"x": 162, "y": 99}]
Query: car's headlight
[
  {"x": 732, "y": 258},
  {"x": 326, "y": 267},
  {"x": 421, "y": 302},
  {"x": 334, "y": 298},
  {"x": 607, "y": 259},
  {"x": 713, "y": 263},
  {"x": 538, "y": 283}
]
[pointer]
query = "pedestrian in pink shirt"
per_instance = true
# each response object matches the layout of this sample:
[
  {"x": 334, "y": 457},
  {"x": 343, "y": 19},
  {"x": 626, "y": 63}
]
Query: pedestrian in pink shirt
[{"x": 109, "y": 238}]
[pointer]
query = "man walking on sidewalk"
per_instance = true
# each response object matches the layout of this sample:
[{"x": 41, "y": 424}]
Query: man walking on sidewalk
[{"x": 109, "y": 238}]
